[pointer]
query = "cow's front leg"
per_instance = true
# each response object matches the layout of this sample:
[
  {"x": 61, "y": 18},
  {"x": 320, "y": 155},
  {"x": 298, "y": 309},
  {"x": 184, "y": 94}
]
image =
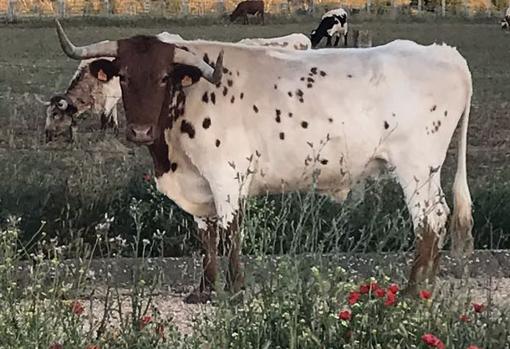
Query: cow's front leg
[
  {"x": 235, "y": 276},
  {"x": 328, "y": 43},
  {"x": 345, "y": 39},
  {"x": 208, "y": 232},
  {"x": 337, "y": 40}
]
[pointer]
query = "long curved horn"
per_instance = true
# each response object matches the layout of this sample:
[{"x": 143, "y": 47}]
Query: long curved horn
[
  {"x": 102, "y": 49},
  {"x": 213, "y": 75},
  {"x": 40, "y": 100}
]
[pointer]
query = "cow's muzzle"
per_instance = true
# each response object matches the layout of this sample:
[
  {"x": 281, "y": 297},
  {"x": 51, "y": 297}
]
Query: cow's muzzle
[{"x": 140, "y": 134}]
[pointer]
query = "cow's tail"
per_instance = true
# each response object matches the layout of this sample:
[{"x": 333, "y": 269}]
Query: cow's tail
[{"x": 461, "y": 222}]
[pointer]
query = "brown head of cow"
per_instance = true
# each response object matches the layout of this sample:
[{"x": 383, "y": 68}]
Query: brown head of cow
[{"x": 149, "y": 72}]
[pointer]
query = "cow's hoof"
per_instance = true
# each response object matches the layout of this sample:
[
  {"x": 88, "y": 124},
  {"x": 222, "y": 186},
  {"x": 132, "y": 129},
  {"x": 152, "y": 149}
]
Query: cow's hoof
[{"x": 198, "y": 297}]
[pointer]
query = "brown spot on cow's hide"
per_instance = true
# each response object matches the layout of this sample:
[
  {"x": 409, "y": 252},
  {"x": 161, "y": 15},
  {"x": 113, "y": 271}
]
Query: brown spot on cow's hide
[
  {"x": 230, "y": 83},
  {"x": 275, "y": 86},
  {"x": 278, "y": 114},
  {"x": 173, "y": 166},
  {"x": 205, "y": 97},
  {"x": 322, "y": 73},
  {"x": 241, "y": 96},
  {"x": 304, "y": 124},
  {"x": 218, "y": 143},
  {"x": 433, "y": 108},
  {"x": 206, "y": 123},
  {"x": 255, "y": 108},
  {"x": 299, "y": 93},
  {"x": 302, "y": 78},
  {"x": 349, "y": 76},
  {"x": 310, "y": 80},
  {"x": 446, "y": 113},
  {"x": 188, "y": 128},
  {"x": 282, "y": 136},
  {"x": 289, "y": 93},
  {"x": 386, "y": 125},
  {"x": 290, "y": 115},
  {"x": 237, "y": 72},
  {"x": 232, "y": 99},
  {"x": 213, "y": 98},
  {"x": 313, "y": 70},
  {"x": 324, "y": 161},
  {"x": 330, "y": 119},
  {"x": 225, "y": 70},
  {"x": 309, "y": 85},
  {"x": 225, "y": 90}
]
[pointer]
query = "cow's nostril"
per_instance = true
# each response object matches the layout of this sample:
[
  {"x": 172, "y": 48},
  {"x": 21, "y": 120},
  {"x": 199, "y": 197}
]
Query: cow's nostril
[{"x": 148, "y": 131}]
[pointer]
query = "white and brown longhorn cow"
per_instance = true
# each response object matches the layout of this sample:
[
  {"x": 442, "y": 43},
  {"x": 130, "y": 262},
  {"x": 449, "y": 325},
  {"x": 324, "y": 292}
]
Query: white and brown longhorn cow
[
  {"x": 267, "y": 120},
  {"x": 85, "y": 92}
]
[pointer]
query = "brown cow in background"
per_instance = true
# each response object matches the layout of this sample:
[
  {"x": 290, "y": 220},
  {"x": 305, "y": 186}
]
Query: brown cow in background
[{"x": 249, "y": 7}]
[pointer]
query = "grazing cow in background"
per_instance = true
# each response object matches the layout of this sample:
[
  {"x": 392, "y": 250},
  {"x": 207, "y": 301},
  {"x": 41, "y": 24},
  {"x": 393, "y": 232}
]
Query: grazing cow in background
[
  {"x": 291, "y": 41},
  {"x": 361, "y": 38},
  {"x": 268, "y": 120},
  {"x": 333, "y": 24},
  {"x": 249, "y": 7},
  {"x": 505, "y": 22},
  {"x": 87, "y": 93}
]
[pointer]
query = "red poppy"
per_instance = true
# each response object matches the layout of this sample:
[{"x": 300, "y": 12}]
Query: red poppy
[
  {"x": 147, "y": 177},
  {"x": 160, "y": 331},
  {"x": 364, "y": 289},
  {"x": 380, "y": 293},
  {"x": 344, "y": 315},
  {"x": 77, "y": 308},
  {"x": 144, "y": 321},
  {"x": 424, "y": 294},
  {"x": 464, "y": 318},
  {"x": 391, "y": 299},
  {"x": 432, "y": 341},
  {"x": 56, "y": 346},
  {"x": 478, "y": 308},
  {"x": 353, "y": 297},
  {"x": 393, "y": 288},
  {"x": 473, "y": 347},
  {"x": 374, "y": 286}
]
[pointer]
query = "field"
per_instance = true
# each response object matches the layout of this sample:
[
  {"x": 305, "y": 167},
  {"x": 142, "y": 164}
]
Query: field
[{"x": 90, "y": 199}]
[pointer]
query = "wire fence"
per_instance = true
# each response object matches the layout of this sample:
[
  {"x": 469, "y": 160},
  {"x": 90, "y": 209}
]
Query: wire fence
[{"x": 13, "y": 9}]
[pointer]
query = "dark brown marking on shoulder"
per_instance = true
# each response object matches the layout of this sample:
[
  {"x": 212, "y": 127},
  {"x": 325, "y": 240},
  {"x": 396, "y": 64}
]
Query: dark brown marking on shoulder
[
  {"x": 433, "y": 108},
  {"x": 309, "y": 85},
  {"x": 255, "y": 108},
  {"x": 322, "y": 73},
  {"x": 289, "y": 93},
  {"x": 446, "y": 113},
  {"x": 310, "y": 80},
  {"x": 225, "y": 90},
  {"x": 299, "y": 93},
  {"x": 302, "y": 78},
  {"x": 205, "y": 97},
  {"x": 324, "y": 161},
  {"x": 330, "y": 119},
  {"x": 349, "y": 76},
  {"x": 217, "y": 143},
  {"x": 241, "y": 96},
  {"x": 313, "y": 70},
  {"x": 275, "y": 86},
  {"x": 232, "y": 100},
  {"x": 230, "y": 83},
  {"x": 213, "y": 98},
  {"x": 278, "y": 115},
  {"x": 282, "y": 136},
  {"x": 386, "y": 125},
  {"x": 304, "y": 124},
  {"x": 290, "y": 115}
]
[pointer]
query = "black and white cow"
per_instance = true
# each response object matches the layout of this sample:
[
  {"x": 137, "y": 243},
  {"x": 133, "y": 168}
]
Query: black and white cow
[
  {"x": 505, "y": 22},
  {"x": 333, "y": 24}
]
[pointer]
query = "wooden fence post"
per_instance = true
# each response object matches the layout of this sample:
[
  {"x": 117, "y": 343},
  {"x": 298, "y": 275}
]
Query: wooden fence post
[
  {"x": 420, "y": 5},
  {"x": 11, "y": 11},
  {"x": 369, "y": 6},
  {"x": 106, "y": 7},
  {"x": 443, "y": 8},
  {"x": 61, "y": 8},
  {"x": 184, "y": 7}
]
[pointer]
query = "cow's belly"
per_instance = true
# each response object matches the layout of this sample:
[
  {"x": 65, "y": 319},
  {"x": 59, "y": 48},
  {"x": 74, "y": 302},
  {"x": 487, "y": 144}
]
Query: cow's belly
[{"x": 189, "y": 193}]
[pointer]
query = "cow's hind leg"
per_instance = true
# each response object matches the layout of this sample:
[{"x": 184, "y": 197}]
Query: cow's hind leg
[
  {"x": 429, "y": 211},
  {"x": 208, "y": 232},
  {"x": 328, "y": 43}
]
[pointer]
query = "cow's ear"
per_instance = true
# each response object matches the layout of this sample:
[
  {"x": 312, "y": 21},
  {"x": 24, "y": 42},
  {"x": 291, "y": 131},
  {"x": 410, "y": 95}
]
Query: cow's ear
[
  {"x": 103, "y": 69},
  {"x": 185, "y": 75}
]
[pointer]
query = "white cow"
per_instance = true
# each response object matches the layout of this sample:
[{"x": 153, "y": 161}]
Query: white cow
[
  {"x": 273, "y": 120},
  {"x": 291, "y": 41}
]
